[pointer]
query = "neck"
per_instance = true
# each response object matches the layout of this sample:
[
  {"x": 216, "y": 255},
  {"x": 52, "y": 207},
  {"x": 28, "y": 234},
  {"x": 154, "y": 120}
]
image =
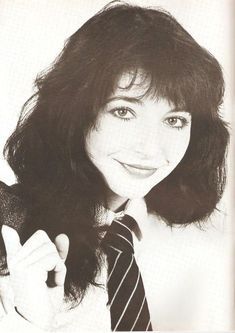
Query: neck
[{"x": 115, "y": 202}]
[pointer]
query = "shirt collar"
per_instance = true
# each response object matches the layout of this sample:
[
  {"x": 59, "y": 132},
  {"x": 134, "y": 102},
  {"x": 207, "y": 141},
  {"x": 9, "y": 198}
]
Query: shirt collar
[{"x": 136, "y": 208}]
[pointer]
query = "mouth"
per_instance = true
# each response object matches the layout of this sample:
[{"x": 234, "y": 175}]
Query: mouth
[{"x": 141, "y": 171}]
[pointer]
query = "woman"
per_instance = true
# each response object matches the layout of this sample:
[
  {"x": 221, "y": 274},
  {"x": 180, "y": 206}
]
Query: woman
[{"x": 129, "y": 110}]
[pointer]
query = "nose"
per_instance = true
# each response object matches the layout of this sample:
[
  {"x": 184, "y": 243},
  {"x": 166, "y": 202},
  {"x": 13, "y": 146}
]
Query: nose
[{"x": 149, "y": 143}]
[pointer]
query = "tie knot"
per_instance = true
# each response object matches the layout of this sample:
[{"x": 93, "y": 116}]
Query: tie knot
[{"x": 119, "y": 234}]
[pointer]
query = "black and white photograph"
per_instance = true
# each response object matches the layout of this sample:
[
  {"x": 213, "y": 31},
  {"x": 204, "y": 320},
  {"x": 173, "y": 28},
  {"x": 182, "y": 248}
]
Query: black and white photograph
[{"x": 116, "y": 166}]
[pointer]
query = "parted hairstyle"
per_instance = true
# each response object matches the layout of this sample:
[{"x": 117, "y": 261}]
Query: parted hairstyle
[{"x": 61, "y": 187}]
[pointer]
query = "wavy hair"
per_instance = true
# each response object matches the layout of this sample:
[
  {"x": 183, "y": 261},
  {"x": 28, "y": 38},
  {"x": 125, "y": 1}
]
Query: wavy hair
[{"x": 61, "y": 187}]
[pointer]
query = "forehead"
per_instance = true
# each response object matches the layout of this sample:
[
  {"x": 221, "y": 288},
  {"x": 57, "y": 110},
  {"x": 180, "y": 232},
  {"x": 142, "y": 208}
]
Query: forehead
[
  {"x": 135, "y": 84},
  {"x": 138, "y": 84}
]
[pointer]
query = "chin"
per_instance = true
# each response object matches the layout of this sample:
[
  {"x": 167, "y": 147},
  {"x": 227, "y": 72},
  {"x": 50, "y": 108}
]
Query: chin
[{"x": 130, "y": 192}]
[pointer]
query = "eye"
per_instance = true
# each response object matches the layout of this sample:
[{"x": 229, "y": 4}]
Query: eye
[
  {"x": 178, "y": 122},
  {"x": 123, "y": 113}
]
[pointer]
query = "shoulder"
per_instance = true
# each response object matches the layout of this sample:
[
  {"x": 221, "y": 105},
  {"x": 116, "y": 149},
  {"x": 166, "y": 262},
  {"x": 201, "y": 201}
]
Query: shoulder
[{"x": 12, "y": 207}]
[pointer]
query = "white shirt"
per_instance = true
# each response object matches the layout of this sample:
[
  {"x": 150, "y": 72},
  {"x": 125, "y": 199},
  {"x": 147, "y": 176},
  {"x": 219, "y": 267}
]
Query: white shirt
[{"x": 186, "y": 275}]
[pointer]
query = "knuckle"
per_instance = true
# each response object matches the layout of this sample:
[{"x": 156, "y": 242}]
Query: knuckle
[
  {"x": 60, "y": 266},
  {"x": 63, "y": 267},
  {"x": 49, "y": 246},
  {"x": 52, "y": 261},
  {"x": 41, "y": 234}
]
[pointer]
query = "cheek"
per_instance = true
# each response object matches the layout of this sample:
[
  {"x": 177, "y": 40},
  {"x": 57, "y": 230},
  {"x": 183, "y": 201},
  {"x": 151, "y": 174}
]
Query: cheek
[
  {"x": 177, "y": 146},
  {"x": 107, "y": 139}
]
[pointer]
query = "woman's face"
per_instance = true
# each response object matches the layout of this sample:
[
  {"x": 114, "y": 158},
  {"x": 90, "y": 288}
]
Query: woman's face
[{"x": 137, "y": 142}]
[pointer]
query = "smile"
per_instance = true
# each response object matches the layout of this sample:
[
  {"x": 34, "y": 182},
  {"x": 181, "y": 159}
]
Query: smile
[{"x": 140, "y": 171}]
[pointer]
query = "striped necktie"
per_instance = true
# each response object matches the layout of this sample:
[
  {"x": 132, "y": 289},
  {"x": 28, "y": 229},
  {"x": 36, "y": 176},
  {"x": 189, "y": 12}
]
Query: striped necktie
[{"x": 127, "y": 302}]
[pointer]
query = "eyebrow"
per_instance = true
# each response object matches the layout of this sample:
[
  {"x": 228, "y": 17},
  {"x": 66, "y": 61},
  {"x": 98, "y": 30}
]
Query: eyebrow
[
  {"x": 135, "y": 100},
  {"x": 126, "y": 98}
]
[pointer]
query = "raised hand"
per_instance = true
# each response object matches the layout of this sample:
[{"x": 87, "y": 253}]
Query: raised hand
[{"x": 29, "y": 266}]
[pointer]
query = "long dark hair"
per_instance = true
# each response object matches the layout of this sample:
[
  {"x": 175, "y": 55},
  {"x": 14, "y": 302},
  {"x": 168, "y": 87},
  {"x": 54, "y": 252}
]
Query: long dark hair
[{"x": 60, "y": 186}]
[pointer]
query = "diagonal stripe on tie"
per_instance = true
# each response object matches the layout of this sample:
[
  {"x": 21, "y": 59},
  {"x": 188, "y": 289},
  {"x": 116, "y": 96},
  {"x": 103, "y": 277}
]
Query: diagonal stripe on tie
[{"x": 128, "y": 305}]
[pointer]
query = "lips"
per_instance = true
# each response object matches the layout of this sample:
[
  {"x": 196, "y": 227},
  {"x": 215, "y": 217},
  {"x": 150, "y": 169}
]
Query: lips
[
  {"x": 138, "y": 170},
  {"x": 140, "y": 167}
]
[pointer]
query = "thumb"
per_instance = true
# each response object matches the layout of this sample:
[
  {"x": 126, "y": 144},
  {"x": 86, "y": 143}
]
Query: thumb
[
  {"x": 11, "y": 241},
  {"x": 62, "y": 245}
]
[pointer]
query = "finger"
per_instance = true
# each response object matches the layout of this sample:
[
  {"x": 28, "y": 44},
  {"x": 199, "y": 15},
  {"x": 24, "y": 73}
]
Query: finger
[
  {"x": 37, "y": 270},
  {"x": 6, "y": 299},
  {"x": 52, "y": 262},
  {"x": 47, "y": 252},
  {"x": 60, "y": 273},
  {"x": 37, "y": 240},
  {"x": 11, "y": 241},
  {"x": 49, "y": 262},
  {"x": 62, "y": 245}
]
